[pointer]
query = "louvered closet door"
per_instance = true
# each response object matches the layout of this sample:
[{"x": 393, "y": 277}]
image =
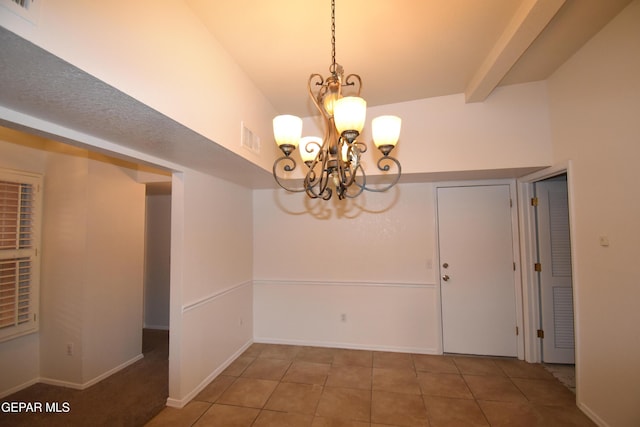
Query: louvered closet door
[{"x": 556, "y": 292}]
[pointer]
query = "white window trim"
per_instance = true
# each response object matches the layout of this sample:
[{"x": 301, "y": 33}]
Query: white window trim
[{"x": 32, "y": 325}]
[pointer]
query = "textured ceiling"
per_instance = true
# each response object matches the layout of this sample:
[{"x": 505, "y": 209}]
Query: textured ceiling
[{"x": 39, "y": 84}]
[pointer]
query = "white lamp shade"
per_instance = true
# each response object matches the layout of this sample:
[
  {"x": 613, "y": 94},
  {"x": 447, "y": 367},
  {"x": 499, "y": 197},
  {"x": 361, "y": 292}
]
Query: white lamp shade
[
  {"x": 287, "y": 129},
  {"x": 386, "y": 130},
  {"x": 308, "y": 151},
  {"x": 349, "y": 113}
]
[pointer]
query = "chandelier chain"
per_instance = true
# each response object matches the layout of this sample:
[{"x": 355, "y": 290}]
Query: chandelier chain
[
  {"x": 333, "y": 162},
  {"x": 333, "y": 37}
]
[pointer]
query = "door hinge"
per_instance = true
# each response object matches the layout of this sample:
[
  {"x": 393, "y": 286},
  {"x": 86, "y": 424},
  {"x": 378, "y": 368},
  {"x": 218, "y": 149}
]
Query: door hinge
[
  {"x": 534, "y": 201},
  {"x": 514, "y": 266},
  {"x": 540, "y": 333},
  {"x": 517, "y": 331},
  {"x": 537, "y": 267},
  {"x": 510, "y": 203}
]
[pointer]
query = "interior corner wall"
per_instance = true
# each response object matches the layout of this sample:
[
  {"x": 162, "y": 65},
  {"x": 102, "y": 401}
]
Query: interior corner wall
[
  {"x": 64, "y": 249},
  {"x": 350, "y": 273},
  {"x": 211, "y": 277},
  {"x": 594, "y": 100},
  {"x": 114, "y": 270},
  {"x": 92, "y": 264}
]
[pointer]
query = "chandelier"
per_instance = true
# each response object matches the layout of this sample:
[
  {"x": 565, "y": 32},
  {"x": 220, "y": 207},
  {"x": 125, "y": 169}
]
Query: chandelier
[{"x": 333, "y": 162}]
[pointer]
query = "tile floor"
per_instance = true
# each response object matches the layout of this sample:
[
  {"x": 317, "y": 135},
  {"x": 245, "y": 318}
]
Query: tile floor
[
  {"x": 281, "y": 385},
  {"x": 566, "y": 374}
]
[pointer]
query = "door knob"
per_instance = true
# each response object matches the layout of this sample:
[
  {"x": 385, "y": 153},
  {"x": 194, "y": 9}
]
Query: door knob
[{"x": 445, "y": 277}]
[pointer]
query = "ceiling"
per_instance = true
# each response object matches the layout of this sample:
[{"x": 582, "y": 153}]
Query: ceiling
[{"x": 402, "y": 49}]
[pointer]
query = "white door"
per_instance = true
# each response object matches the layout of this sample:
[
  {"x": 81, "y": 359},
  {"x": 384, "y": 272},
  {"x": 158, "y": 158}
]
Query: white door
[
  {"x": 476, "y": 270},
  {"x": 554, "y": 251}
]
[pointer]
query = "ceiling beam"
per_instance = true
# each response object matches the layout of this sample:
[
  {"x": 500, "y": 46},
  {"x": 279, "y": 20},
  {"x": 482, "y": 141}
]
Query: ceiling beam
[{"x": 525, "y": 26}]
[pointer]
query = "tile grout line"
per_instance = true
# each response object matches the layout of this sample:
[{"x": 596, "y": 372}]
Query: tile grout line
[{"x": 475, "y": 398}]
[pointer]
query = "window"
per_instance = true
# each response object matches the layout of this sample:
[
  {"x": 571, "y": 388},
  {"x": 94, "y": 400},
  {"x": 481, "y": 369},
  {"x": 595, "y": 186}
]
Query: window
[{"x": 20, "y": 207}]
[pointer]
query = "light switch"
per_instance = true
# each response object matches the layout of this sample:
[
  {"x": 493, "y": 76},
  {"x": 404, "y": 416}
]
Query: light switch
[{"x": 604, "y": 241}]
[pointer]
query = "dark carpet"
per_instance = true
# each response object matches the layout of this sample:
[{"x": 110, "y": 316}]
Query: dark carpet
[{"x": 128, "y": 398}]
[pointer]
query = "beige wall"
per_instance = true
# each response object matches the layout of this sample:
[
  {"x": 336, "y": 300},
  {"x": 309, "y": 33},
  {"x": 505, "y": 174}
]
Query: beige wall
[
  {"x": 92, "y": 264},
  {"x": 63, "y": 284},
  {"x": 113, "y": 307},
  {"x": 594, "y": 100}
]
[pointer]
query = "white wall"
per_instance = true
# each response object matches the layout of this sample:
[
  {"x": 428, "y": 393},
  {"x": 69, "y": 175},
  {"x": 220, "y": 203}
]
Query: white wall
[
  {"x": 594, "y": 100},
  {"x": 369, "y": 258},
  {"x": 444, "y": 134},
  {"x": 157, "y": 261},
  {"x": 211, "y": 271}
]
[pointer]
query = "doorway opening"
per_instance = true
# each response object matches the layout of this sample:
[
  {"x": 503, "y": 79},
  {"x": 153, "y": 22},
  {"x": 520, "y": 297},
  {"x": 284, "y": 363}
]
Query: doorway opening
[
  {"x": 548, "y": 286},
  {"x": 555, "y": 281},
  {"x": 555, "y": 284}
]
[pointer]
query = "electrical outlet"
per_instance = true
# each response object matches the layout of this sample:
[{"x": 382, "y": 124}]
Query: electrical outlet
[{"x": 69, "y": 349}]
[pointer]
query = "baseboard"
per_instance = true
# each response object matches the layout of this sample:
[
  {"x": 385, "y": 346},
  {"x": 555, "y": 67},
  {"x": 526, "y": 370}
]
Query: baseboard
[
  {"x": 348, "y": 346},
  {"x": 156, "y": 327},
  {"x": 17, "y": 388},
  {"x": 180, "y": 403},
  {"x": 82, "y": 386},
  {"x": 592, "y": 415}
]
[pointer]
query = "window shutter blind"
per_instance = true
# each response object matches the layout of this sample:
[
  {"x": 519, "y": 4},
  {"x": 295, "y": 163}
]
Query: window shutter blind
[
  {"x": 15, "y": 291},
  {"x": 18, "y": 253}
]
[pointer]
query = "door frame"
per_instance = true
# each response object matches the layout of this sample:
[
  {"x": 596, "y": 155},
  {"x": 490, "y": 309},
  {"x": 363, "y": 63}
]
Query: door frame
[
  {"x": 517, "y": 277},
  {"x": 529, "y": 250}
]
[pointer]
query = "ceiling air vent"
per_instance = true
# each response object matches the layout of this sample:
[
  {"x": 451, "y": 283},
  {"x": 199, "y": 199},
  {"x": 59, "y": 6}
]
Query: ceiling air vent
[
  {"x": 27, "y": 9},
  {"x": 23, "y": 3},
  {"x": 248, "y": 139}
]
